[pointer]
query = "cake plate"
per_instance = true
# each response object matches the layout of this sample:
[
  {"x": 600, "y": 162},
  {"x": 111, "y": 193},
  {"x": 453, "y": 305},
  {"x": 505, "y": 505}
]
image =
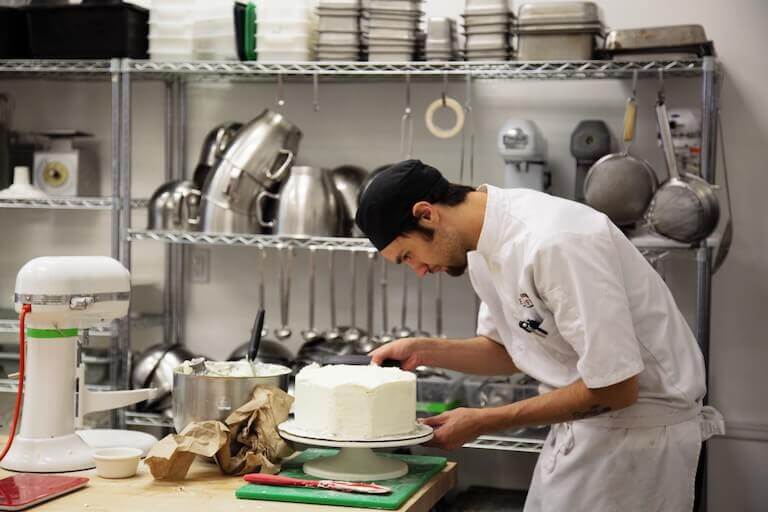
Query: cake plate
[{"x": 356, "y": 461}]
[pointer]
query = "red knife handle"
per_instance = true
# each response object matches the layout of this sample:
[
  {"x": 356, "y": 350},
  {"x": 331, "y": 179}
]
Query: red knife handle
[{"x": 264, "y": 479}]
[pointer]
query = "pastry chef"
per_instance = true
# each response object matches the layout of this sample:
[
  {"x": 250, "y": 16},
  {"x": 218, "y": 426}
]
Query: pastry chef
[{"x": 567, "y": 299}]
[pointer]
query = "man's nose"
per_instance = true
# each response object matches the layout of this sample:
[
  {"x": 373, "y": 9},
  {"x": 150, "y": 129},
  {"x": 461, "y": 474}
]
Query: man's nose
[{"x": 420, "y": 269}]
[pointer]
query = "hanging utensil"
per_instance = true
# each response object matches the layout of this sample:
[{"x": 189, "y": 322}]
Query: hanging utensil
[
  {"x": 368, "y": 342},
  {"x": 333, "y": 333},
  {"x": 420, "y": 308},
  {"x": 406, "y": 123},
  {"x": 353, "y": 334},
  {"x": 727, "y": 238},
  {"x": 285, "y": 332},
  {"x": 404, "y": 331},
  {"x": 439, "y": 306},
  {"x": 311, "y": 333},
  {"x": 618, "y": 184},
  {"x": 685, "y": 208},
  {"x": 385, "y": 336}
]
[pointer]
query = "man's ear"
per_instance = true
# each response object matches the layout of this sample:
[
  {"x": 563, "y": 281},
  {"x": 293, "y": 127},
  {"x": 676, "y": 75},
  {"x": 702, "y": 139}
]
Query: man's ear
[{"x": 426, "y": 213}]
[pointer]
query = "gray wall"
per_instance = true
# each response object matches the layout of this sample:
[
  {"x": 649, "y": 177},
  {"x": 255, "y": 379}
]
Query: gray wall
[{"x": 359, "y": 124}]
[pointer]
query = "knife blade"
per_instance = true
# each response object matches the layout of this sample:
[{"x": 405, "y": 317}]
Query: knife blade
[{"x": 332, "y": 485}]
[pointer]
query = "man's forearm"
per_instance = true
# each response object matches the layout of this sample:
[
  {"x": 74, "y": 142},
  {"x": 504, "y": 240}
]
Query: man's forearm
[
  {"x": 478, "y": 356},
  {"x": 573, "y": 402}
]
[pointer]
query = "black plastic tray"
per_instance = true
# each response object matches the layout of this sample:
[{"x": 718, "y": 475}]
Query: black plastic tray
[
  {"x": 14, "y": 40},
  {"x": 88, "y": 31}
]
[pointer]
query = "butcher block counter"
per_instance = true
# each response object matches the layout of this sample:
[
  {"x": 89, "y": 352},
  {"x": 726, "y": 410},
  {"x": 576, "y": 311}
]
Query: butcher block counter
[{"x": 207, "y": 489}]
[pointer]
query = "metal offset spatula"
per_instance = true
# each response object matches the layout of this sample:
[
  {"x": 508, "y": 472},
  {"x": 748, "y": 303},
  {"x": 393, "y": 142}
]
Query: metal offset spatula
[{"x": 331, "y": 485}]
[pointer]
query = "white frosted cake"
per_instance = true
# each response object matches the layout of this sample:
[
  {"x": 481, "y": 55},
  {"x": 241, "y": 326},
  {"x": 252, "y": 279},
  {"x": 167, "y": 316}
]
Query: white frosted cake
[{"x": 355, "y": 402}]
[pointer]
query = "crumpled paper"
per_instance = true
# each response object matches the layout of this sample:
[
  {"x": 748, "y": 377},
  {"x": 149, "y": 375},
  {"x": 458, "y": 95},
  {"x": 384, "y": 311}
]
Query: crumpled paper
[
  {"x": 172, "y": 456},
  {"x": 247, "y": 441}
]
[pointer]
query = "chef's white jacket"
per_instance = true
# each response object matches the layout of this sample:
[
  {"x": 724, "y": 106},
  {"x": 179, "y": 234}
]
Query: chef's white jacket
[{"x": 593, "y": 309}]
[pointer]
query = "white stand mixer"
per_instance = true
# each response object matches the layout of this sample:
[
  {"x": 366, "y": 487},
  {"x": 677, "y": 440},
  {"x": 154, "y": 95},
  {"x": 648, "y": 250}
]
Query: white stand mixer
[
  {"x": 523, "y": 149},
  {"x": 61, "y": 296}
]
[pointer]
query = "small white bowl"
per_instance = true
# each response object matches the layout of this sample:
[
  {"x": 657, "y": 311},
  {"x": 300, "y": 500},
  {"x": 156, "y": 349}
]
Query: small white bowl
[{"x": 117, "y": 462}]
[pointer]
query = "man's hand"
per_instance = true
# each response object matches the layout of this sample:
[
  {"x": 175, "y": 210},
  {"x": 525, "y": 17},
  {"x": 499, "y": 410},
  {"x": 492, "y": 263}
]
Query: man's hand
[
  {"x": 411, "y": 352},
  {"x": 455, "y": 428}
]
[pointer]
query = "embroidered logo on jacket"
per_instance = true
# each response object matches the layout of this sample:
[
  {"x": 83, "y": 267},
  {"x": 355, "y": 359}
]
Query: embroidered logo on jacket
[{"x": 525, "y": 300}]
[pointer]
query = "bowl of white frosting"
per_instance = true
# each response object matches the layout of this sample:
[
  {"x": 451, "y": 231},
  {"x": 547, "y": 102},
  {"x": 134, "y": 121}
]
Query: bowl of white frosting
[{"x": 214, "y": 393}]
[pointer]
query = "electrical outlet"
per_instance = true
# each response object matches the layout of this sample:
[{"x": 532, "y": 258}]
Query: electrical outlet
[{"x": 200, "y": 268}]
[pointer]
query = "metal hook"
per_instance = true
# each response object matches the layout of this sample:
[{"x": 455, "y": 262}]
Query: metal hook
[
  {"x": 406, "y": 121},
  {"x": 661, "y": 85},
  {"x": 634, "y": 83},
  {"x": 445, "y": 87},
  {"x": 315, "y": 93},
  {"x": 280, "y": 100}
]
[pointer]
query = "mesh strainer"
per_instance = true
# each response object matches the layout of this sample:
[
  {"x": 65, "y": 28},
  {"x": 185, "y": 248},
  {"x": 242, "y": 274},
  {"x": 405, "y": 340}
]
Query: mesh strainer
[{"x": 685, "y": 208}]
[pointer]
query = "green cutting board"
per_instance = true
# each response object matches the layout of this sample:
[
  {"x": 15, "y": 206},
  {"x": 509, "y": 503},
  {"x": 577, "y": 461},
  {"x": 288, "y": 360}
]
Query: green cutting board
[{"x": 420, "y": 470}]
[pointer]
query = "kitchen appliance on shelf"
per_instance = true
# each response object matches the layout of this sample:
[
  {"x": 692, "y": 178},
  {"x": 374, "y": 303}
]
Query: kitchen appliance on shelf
[
  {"x": 59, "y": 298},
  {"x": 523, "y": 149},
  {"x": 590, "y": 141},
  {"x": 60, "y": 170}
]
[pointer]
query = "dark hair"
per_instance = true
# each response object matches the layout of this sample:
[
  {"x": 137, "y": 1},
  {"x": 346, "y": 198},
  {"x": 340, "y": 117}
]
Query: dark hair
[{"x": 454, "y": 195}]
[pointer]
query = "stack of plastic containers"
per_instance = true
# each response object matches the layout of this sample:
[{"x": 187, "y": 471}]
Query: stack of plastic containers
[
  {"x": 213, "y": 29},
  {"x": 284, "y": 30},
  {"x": 170, "y": 30},
  {"x": 202, "y": 30},
  {"x": 340, "y": 30}
]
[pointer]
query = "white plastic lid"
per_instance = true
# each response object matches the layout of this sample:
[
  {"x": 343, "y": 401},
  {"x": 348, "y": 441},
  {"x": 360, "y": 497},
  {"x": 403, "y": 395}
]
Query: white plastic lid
[{"x": 21, "y": 175}]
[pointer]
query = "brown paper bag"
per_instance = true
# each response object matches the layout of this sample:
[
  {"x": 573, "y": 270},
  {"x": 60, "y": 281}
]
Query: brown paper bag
[{"x": 172, "y": 456}]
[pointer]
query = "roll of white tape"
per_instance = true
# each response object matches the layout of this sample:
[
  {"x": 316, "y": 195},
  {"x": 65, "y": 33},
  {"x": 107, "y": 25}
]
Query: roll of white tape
[{"x": 438, "y": 132}]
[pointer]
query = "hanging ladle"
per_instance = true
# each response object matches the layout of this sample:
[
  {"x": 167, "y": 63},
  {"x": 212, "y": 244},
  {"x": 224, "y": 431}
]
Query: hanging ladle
[
  {"x": 404, "y": 331},
  {"x": 353, "y": 334},
  {"x": 385, "y": 336},
  {"x": 285, "y": 332},
  {"x": 311, "y": 333},
  {"x": 368, "y": 342}
]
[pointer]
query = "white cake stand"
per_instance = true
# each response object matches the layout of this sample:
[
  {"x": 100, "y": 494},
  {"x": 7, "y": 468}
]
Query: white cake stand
[{"x": 356, "y": 461}]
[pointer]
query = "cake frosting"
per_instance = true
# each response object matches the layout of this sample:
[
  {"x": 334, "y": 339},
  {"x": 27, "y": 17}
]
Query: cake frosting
[{"x": 354, "y": 401}]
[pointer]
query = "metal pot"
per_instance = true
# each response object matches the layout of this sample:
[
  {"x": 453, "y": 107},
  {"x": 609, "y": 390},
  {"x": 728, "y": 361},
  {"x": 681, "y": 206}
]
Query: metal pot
[
  {"x": 202, "y": 398},
  {"x": 175, "y": 206},
  {"x": 256, "y": 162},
  {"x": 685, "y": 208},
  {"x": 309, "y": 205},
  {"x": 348, "y": 179},
  {"x": 154, "y": 367},
  {"x": 214, "y": 146}
]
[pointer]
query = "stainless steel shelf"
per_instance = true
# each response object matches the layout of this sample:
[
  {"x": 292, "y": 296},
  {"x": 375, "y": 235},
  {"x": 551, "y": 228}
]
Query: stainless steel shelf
[
  {"x": 12, "y": 385},
  {"x": 147, "y": 419},
  {"x": 509, "y": 444},
  {"x": 550, "y": 70},
  {"x": 649, "y": 243},
  {"x": 265, "y": 241},
  {"x": 68, "y": 203},
  {"x": 58, "y": 69}
]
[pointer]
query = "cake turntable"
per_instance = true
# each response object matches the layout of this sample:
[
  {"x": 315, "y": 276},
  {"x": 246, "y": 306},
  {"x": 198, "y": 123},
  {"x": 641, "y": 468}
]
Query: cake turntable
[{"x": 356, "y": 460}]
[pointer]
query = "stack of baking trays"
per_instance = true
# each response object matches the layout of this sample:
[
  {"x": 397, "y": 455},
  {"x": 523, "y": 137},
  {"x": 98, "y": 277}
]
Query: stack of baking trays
[
  {"x": 394, "y": 33},
  {"x": 487, "y": 26},
  {"x": 340, "y": 34}
]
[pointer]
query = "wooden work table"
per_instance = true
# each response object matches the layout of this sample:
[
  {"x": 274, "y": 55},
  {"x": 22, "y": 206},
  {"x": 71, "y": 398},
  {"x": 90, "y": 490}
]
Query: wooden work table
[{"x": 206, "y": 489}]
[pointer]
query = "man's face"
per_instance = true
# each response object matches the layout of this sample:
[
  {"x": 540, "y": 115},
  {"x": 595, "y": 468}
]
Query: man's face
[{"x": 425, "y": 254}]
